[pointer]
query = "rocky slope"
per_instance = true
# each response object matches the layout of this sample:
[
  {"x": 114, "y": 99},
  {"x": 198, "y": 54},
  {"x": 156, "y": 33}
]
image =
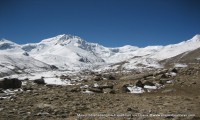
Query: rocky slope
[
  {"x": 102, "y": 96},
  {"x": 185, "y": 59}
]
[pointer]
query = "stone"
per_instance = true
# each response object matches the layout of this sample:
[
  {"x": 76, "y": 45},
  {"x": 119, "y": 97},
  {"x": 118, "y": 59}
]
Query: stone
[
  {"x": 125, "y": 89},
  {"x": 174, "y": 70},
  {"x": 8, "y": 83},
  {"x": 1, "y": 90},
  {"x": 148, "y": 83},
  {"x": 25, "y": 88},
  {"x": 98, "y": 78},
  {"x": 109, "y": 77},
  {"x": 194, "y": 83},
  {"x": 168, "y": 91},
  {"x": 51, "y": 85},
  {"x": 84, "y": 80},
  {"x": 107, "y": 85},
  {"x": 39, "y": 81},
  {"x": 64, "y": 77},
  {"x": 158, "y": 77},
  {"x": 169, "y": 117},
  {"x": 129, "y": 109},
  {"x": 74, "y": 89},
  {"x": 96, "y": 90},
  {"x": 108, "y": 90},
  {"x": 164, "y": 76},
  {"x": 165, "y": 81},
  {"x": 53, "y": 67},
  {"x": 42, "y": 114},
  {"x": 195, "y": 118},
  {"x": 139, "y": 84},
  {"x": 1, "y": 109}
]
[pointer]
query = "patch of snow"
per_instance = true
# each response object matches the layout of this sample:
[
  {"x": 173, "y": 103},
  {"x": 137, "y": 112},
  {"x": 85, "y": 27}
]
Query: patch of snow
[
  {"x": 10, "y": 67},
  {"x": 169, "y": 81},
  {"x": 135, "y": 89},
  {"x": 57, "y": 81},
  {"x": 5, "y": 97},
  {"x": 178, "y": 65},
  {"x": 84, "y": 87},
  {"x": 96, "y": 85},
  {"x": 17, "y": 90},
  {"x": 24, "y": 83},
  {"x": 150, "y": 87},
  {"x": 173, "y": 74},
  {"x": 87, "y": 91},
  {"x": 9, "y": 92},
  {"x": 159, "y": 86}
]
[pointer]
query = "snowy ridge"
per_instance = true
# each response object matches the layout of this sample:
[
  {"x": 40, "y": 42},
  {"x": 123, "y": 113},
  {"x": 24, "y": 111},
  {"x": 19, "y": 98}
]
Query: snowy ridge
[
  {"x": 7, "y": 46},
  {"x": 18, "y": 63},
  {"x": 176, "y": 49},
  {"x": 69, "y": 52}
]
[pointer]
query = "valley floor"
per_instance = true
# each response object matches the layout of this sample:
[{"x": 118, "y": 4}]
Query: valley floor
[
  {"x": 56, "y": 103},
  {"x": 178, "y": 101}
]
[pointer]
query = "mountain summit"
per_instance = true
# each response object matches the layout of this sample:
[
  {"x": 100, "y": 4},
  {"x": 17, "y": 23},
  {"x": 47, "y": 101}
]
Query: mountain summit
[
  {"x": 196, "y": 38},
  {"x": 62, "y": 39}
]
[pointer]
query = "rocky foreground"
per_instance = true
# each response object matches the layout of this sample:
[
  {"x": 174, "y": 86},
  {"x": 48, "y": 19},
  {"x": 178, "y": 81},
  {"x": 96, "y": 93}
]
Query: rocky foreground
[{"x": 171, "y": 94}]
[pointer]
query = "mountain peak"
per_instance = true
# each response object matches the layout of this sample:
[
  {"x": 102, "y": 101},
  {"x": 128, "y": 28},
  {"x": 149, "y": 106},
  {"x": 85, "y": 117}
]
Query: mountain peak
[
  {"x": 196, "y": 37},
  {"x": 66, "y": 37},
  {"x": 6, "y": 44},
  {"x": 62, "y": 39},
  {"x": 6, "y": 41}
]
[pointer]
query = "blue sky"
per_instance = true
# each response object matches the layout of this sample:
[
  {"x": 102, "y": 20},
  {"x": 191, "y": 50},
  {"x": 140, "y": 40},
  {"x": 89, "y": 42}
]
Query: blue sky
[{"x": 111, "y": 23}]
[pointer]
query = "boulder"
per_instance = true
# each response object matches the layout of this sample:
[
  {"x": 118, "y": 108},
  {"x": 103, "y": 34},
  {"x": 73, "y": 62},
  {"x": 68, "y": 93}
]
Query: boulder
[
  {"x": 139, "y": 84},
  {"x": 1, "y": 90},
  {"x": 108, "y": 90},
  {"x": 25, "y": 54},
  {"x": 163, "y": 81},
  {"x": 158, "y": 77},
  {"x": 195, "y": 118},
  {"x": 160, "y": 72},
  {"x": 96, "y": 90},
  {"x": 98, "y": 78},
  {"x": 53, "y": 67},
  {"x": 173, "y": 70},
  {"x": 164, "y": 76},
  {"x": 74, "y": 89},
  {"x": 107, "y": 85},
  {"x": 148, "y": 83},
  {"x": 168, "y": 90},
  {"x": 7, "y": 83},
  {"x": 109, "y": 77},
  {"x": 129, "y": 109},
  {"x": 125, "y": 89},
  {"x": 64, "y": 77},
  {"x": 39, "y": 81},
  {"x": 26, "y": 88}
]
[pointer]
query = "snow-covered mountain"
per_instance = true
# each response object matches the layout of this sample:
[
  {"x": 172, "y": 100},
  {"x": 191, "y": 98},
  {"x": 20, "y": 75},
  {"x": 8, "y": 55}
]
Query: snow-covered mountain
[{"x": 69, "y": 52}]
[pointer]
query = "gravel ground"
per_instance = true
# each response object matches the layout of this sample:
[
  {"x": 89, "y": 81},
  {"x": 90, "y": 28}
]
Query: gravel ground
[{"x": 177, "y": 101}]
